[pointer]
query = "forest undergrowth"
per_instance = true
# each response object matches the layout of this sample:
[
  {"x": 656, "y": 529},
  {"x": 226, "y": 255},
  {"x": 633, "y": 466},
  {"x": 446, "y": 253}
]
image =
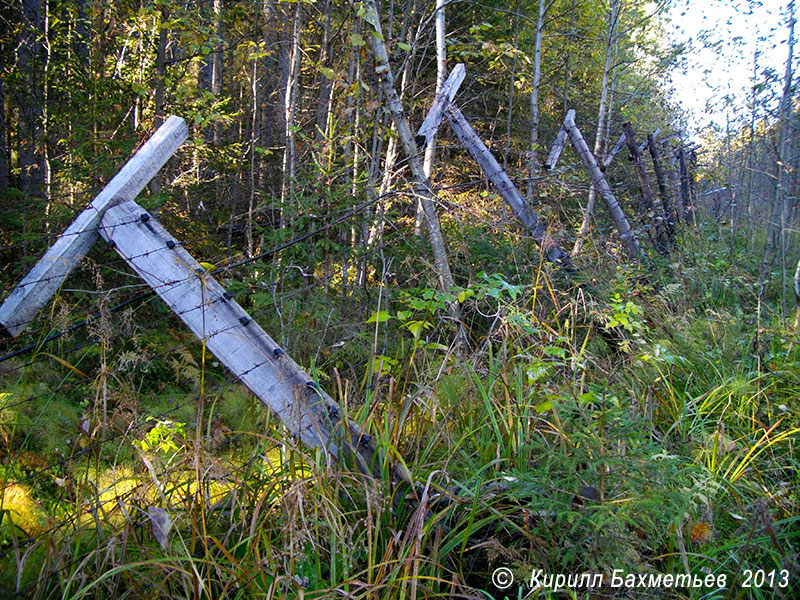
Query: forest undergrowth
[{"x": 635, "y": 418}]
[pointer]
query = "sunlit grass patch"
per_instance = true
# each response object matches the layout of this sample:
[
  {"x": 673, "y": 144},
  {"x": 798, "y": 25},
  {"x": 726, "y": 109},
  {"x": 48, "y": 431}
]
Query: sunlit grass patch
[{"x": 22, "y": 516}]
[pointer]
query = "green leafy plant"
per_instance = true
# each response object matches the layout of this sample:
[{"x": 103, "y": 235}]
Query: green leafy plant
[{"x": 165, "y": 436}]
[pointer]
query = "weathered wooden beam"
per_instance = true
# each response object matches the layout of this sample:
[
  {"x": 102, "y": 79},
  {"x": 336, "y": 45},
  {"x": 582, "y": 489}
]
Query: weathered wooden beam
[
  {"x": 673, "y": 170},
  {"x": 614, "y": 151},
  {"x": 663, "y": 188},
  {"x": 604, "y": 164},
  {"x": 627, "y": 234},
  {"x": 495, "y": 173},
  {"x": 49, "y": 273},
  {"x": 436, "y": 112},
  {"x": 555, "y": 151},
  {"x": 686, "y": 194},
  {"x": 650, "y": 216},
  {"x": 234, "y": 338}
]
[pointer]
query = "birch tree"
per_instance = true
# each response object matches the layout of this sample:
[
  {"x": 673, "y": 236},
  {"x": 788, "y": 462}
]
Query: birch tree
[
  {"x": 421, "y": 188},
  {"x": 441, "y": 75},
  {"x": 533, "y": 165},
  {"x": 602, "y": 116},
  {"x": 290, "y": 110}
]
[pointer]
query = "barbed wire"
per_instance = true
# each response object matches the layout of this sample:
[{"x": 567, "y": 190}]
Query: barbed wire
[{"x": 226, "y": 267}]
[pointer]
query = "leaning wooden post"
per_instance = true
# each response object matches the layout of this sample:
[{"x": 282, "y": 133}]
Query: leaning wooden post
[
  {"x": 686, "y": 199},
  {"x": 651, "y": 216},
  {"x": 234, "y": 338},
  {"x": 495, "y": 173},
  {"x": 663, "y": 188},
  {"x": 435, "y": 114},
  {"x": 589, "y": 210},
  {"x": 673, "y": 171},
  {"x": 555, "y": 151},
  {"x": 599, "y": 181},
  {"x": 614, "y": 151},
  {"x": 49, "y": 273}
]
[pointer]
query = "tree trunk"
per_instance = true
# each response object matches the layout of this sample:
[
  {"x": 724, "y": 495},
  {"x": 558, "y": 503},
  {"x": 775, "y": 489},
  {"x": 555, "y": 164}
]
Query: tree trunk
[
  {"x": 777, "y": 226},
  {"x": 797, "y": 294},
  {"x": 31, "y": 110},
  {"x": 421, "y": 189},
  {"x": 160, "y": 85},
  {"x": 251, "y": 196},
  {"x": 750, "y": 148},
  {"x": 626, "y": 234},
  {"x": 602, "y": 115},
  {"x": 652, "y": 220},
  {"x": 325, "y": 85},
  {"x": 45, "y": 149},
  {"x": 441, "y": 75},
  {"x": 570, "y": 37},
  {"x": 290, "y": 110},
  {"x": 352, "y": 107},
  {"x": 784, "y": 153},
  {"x": 533, "y": 164},
  {"x": 512, "y": 79},
  {"x": 3, "y": 146}
]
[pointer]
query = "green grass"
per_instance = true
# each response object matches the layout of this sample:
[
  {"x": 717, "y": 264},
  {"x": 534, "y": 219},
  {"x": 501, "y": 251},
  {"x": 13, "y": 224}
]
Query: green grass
[{"x": 638, "y": 423}]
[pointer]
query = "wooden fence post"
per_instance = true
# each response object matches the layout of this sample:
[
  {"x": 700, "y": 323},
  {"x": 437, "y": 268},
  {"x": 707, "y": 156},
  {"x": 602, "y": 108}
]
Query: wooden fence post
[
  {"x": 686, "y": 195},
  {"x": 235, "y": 339},
  {"x": 49, "y": 273},
  {"x": 495, "y": 173},
  {"x": 663, "y": 188},
  {"x": 555, "y": 151},
  {"x": 435, "y": 114},
  {"x": 673, "y": 171},
  {"x": 606, "y": 162},
  {"x": 627, "y": 234},
  {"x": 652, "y": 219}
]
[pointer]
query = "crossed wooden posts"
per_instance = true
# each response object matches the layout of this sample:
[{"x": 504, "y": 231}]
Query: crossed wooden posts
[{"x": 199, "y": 300}]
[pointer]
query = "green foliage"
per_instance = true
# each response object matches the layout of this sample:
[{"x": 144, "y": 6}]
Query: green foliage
[
  {"x": 642, "y": 418},
  {"x": 164, "y": 437}
]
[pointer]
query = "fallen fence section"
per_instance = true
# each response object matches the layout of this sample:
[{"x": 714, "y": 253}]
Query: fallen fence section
[{"x": 194, "y": 295}]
